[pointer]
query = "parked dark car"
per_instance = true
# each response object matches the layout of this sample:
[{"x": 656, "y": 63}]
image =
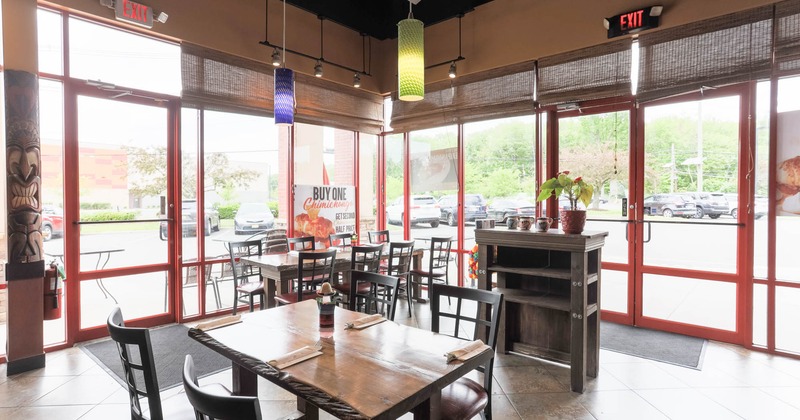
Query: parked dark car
[
  {"x": 501, "y": 208},
  {"x": 189, "y": 220},
  {"x": 474, "y": 208},
  {"x": 669, "y": 205},
  {"x": 712, "y": 205},
  {"x": 252, "y": 218}
]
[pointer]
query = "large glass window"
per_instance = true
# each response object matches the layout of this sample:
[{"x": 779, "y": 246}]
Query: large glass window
[
  {"x": 367, "y": 183},
  {"x": 395, "y": 174},
  {"x": 50, "y": 30},
  {"x": 101, "y": 53}
]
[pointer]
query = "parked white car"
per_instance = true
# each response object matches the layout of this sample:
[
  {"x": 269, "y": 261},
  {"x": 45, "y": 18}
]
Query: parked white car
[{"x": 424, "y": 209}]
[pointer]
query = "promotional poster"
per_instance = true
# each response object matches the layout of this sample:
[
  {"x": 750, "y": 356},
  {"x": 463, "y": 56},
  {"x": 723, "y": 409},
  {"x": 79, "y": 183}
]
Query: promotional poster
[
  {"x": 322, "y": 210},
  {"x": 788, "y": 176},
  {"x": 434, "y": 171}
]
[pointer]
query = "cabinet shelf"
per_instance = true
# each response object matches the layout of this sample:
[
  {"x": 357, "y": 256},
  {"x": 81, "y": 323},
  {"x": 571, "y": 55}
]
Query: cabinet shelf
[
  {"x": 553, "y": 273},
  {"x": 543, "y": 300}
]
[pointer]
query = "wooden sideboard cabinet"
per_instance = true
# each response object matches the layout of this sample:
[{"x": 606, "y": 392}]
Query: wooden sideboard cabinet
[{"x": 551, "y": 283}]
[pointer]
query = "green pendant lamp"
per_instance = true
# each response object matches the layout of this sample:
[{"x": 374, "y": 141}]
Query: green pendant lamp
[{"x": 410, "y": 58}]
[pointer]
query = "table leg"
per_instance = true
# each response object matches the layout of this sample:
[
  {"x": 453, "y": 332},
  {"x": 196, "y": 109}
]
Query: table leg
[
  {"x": 269, "y": 285},
  {"x": 310, "y": 410},
  {"x": 429, "y": 409},
  {"x": 416, "y": 292},
  {"x": 99, "y": 281},
  {"x": 244, "y": 382}
]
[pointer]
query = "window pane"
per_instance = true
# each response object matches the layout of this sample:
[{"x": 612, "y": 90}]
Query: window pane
[
  {"x": 323, "y": 155},
  {"x": 787, "y": 265},
  {"x": 395, "y": 174},
  {"x": 691, "y": 301},
  {"x": 368, "y": 181},
  {"x": 113, "y": 56},
  {"x": 760, "y": 314},
  {"x": 787, "y": 312},
  {"x": 139, "y": 296},
  {"x": 48, "y": 25}
]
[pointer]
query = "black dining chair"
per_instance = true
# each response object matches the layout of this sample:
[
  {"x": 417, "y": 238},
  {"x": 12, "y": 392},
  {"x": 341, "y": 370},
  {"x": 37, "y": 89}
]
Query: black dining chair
[
  {"x": 438, "y": 263},
  {"x": 209, "y": 405},
  {"x": 136, "y": 354},
  {"x": 276, "y": 241},
  {"x": 313, "y": 269},
  {"x": 378, "y": 236},
  {"x": 399, "y": 265},
  {"x": 305, "y": 243},
  {"x": 362, "y": 258},
  {"x": 370, "y": 291},
  {"x": 247, "y": 278},
  {"x": 340, "y": 241},
  {"x": 465, "y": 398}
]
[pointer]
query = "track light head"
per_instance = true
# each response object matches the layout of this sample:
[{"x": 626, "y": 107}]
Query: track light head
[
  {"x": 318, "y": 69},
  {"x": 356, "y": 81},
  {"x": 276, "y": 57},
  {"x": 452, "y": 73}
]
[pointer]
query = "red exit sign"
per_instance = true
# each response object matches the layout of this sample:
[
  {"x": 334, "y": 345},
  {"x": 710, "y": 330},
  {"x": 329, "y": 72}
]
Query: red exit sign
[
  {"x": 633, "y": 21},
  {"x": 135, "y": 13}
]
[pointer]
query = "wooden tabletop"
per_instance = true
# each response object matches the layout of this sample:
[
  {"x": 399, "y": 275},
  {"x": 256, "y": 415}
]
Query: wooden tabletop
[{"x": 379, "y": 372}]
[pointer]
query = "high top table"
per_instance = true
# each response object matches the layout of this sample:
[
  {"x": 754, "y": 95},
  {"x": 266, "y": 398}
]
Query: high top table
[{"x": 380, "y": 372}]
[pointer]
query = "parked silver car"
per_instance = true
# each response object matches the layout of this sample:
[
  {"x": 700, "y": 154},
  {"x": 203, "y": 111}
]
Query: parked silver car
[{"x": 424, "y": 209}]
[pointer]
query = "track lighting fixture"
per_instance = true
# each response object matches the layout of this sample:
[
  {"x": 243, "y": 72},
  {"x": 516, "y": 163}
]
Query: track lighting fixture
[
  {"x": 318, "y": 69},
  {"x": 356, "y": 80},
  {"x": 452, "y": 72},
  {"x": 276, "y": 57}
]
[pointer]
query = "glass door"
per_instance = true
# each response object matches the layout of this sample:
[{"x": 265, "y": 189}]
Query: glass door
[
  {"x": 116, "y": 253},
  {"x": 603, "y": 135},
  {"x": 689, "y": 233}
]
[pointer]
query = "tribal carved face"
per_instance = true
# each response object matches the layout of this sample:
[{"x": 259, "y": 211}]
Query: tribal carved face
[{"x": 23, "y": 157}]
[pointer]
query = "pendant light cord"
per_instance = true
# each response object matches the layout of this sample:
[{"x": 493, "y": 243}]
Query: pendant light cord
[
  {"x": 410, "y": 12},
  {"x": 283, "y": 56}
]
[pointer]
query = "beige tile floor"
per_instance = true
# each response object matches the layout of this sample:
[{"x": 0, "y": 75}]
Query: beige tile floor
[{"x": 734, "y": 383}]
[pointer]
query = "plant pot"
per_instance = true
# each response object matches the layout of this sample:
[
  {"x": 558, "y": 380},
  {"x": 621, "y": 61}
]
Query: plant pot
[{"x": 572, "y": 221}]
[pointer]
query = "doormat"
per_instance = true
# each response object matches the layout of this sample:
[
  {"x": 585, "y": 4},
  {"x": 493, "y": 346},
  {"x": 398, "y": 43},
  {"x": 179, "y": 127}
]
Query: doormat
[
  {"x": 655, "y": 345},
  {"x": 170, "y": 346}
]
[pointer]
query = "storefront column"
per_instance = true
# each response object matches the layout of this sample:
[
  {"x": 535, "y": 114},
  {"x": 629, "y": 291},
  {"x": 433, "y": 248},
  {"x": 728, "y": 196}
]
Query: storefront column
[{"x": 25, "y": 267}]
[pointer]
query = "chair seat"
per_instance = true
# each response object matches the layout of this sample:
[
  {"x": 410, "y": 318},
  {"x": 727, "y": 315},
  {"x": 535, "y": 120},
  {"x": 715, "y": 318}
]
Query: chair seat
[
  {"x": 176, "y": 407},
  {"x": 345, "y": 288},
  {"x": 463, "y": 399},
  {"x": 291, "y": 297},
  {"x": 251, "y": 287},
  {"x": 424, "y": 273}
]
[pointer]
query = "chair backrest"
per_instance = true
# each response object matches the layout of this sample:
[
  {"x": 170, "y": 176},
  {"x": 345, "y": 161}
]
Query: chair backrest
[
  {"x": 382, "y": 292},
  {"x": 136, "y": 355},
  {"x": 245, "y": 272},
  {"x": 276, "y": 241},
  {"x": 314, "y": 268},
  {"x": 306, "y": 243},
  {"x": 212, "y": 406},
  {"x": 366, "y": 257},
  {"x": 341, "y": 241},
  {"x": 378, "y": 236},
  {"x": 473, "y": 306},
  {"x": 440, "y": 254},
  {"x": 400, "y": 257}
]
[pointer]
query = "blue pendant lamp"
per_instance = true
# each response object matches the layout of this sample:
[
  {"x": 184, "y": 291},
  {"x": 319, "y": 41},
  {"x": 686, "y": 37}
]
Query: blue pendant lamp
[
  {"x": 410, "y": 58},
  {"x": 284, "y": 87}
]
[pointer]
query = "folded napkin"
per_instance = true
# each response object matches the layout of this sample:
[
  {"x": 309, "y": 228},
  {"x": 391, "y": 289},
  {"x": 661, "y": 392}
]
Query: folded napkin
[
  {"x": 295, "y": 357},
  {"x": 219, "y": 323},
  {"x": 466, "y": 351},
  {"x": 365, "y": 322}
]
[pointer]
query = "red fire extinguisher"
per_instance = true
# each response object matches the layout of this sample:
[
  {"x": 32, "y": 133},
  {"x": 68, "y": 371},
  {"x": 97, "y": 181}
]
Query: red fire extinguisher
[{"x": 52, "y": 292}]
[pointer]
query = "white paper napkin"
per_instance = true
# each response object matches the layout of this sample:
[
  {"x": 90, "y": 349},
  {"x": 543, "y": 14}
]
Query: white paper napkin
[
  {"x": 466, "y": 351},
  {"x": 219, "y": 323},
  {"x": 294, "y": 357},
  {"x": 365, "y": 322}
]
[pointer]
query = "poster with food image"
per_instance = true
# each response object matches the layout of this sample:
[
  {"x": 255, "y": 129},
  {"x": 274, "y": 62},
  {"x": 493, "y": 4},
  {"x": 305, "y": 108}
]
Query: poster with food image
[
  {"x": 788, "y": 166},
  {"x": 322, "y": 210}
]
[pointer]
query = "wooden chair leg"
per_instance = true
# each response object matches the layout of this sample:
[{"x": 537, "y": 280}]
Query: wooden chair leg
[{"x": 251, "y": 302}]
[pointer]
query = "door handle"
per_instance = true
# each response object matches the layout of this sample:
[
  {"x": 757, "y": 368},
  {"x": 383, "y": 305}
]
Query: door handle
[{"x": 649, "y": 231}]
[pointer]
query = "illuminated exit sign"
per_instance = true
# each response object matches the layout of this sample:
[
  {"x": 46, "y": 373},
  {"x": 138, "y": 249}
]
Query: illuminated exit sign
[
  {"x": 633, "y": 21},
  {"x": 135, "y": 13}
]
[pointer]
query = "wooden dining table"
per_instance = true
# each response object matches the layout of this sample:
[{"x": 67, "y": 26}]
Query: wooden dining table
[
  {"x": 380, "y": 372},
  {"x": 279, "y": 270}
]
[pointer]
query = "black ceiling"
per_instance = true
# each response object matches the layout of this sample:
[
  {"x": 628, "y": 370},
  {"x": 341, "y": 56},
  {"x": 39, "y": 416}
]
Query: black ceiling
[{"x": 378, "y": 18}]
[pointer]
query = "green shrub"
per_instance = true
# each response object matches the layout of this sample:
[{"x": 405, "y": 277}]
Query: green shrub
[
  {"x": 227, "y": 211},
  {"x": 95, "y": 206},
  {"x": 106, "y": 216},
  {"x": 273, "y": 207}
]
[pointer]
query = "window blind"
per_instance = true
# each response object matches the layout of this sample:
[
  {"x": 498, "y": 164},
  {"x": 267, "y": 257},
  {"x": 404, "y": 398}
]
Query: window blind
[
  {"x": 596, "y": 72},
  {"x": 495, "y": 93},
  {"x": 787, "y": 37},
  {"x": 716, "y": 52}
]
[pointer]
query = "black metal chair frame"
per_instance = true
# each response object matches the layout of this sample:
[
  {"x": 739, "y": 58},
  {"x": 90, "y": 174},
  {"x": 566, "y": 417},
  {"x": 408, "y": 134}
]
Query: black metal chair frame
[
  {"x": 362, "y": 258},
  {"x": 313, "y": 269},
  {"x": 381, "y": 291},
  {"x": 486, "y": 317},
  {"x": 243, "y": 273},
  {"x": 438, "y": 264},
  {"x": 139, "y": 338},
  {"x": 400, "y": 255},
  {"x": 276, "y": 241},
  {"x": 378, "y": 236},
  {"x": 345, "y": 239},
  {"x": 211, "y": 406},
  {"x": 306, "y": 243}
]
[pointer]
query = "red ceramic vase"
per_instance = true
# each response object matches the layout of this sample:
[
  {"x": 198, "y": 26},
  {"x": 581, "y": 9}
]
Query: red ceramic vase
[{"x": 572, "y": 221}]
